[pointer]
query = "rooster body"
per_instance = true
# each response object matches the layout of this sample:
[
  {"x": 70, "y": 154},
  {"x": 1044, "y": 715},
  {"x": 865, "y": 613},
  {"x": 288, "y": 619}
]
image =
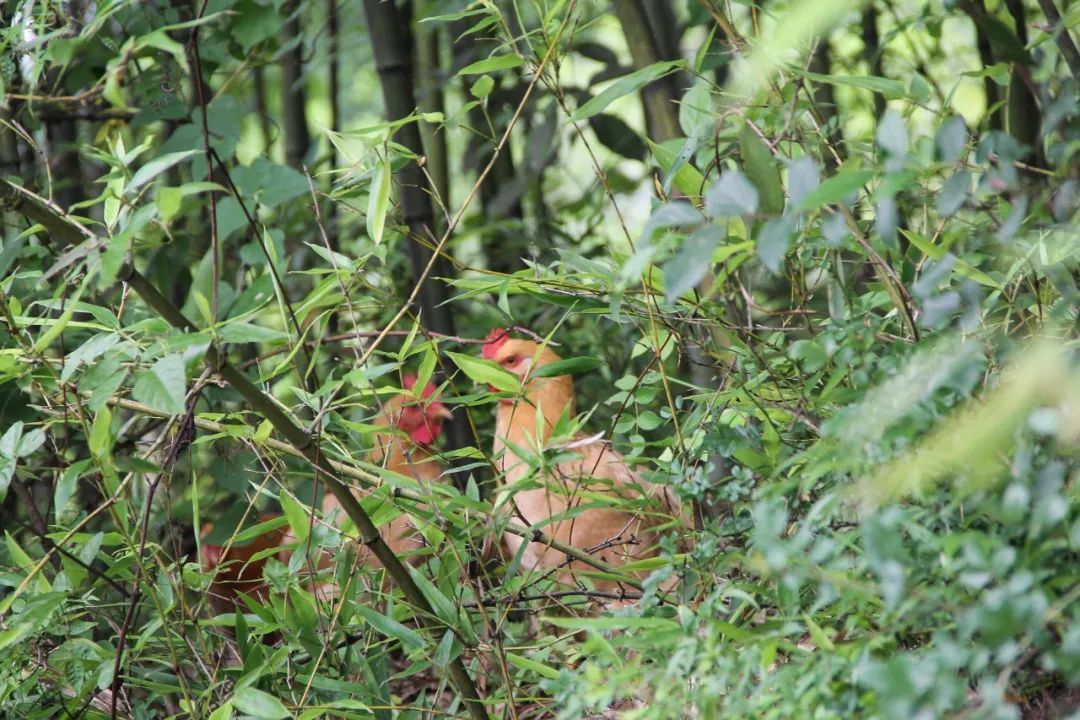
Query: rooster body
[
  {"x": 411, "y": 427},
  {"x": 571, "y": 489},
  {"x": 403, "y": 447}
]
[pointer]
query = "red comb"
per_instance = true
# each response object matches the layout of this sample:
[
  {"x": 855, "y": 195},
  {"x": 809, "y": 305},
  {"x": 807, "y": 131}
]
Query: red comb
[{"x": 492, "y": 342}]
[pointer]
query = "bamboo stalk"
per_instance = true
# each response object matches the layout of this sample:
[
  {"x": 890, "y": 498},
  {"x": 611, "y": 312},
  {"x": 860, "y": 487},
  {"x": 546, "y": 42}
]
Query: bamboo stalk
[
  {"x": 391, "y": 45},
  {"x": 659, "y": 97}
]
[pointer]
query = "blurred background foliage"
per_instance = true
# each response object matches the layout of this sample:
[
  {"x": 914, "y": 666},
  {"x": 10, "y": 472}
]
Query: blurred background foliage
[{"x": 819, "y": 259}]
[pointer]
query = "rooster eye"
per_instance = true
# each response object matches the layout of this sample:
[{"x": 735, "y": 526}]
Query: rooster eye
[{"x": 510, "y": 360}]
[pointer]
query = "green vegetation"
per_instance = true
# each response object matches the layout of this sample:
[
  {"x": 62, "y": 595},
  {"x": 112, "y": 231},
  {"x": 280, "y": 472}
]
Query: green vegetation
[{"x": 812, "y": 265}]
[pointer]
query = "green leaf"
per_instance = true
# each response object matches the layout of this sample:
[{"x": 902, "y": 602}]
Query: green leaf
[
  {"x": 951, "y": 139},
  {"x": 223, "y": 712},
  {"x": 773, "y": 241},
  {"x": 254, "y": 23},
  {"x": 761, "y": 168},
  {"x": 242, "y": 332},
  {"x": 168, "y": 200},
  {"x": 732, "y": 194},
  {"x": 482, "y": 87},
  {"x": 24, "y": 563},
  {"x": 692, "y": 262},
  {"x": 424, "y": 371},
  {"x": 953, "y": 194},
  {"x": 803, "y": 178},
  {"x": 30, "y": 442},
  {"x": 163, "y": 386},
  {"x": 687, "y": 178},
  {"x": 569, "y": 366},
  {"x": 491, "y": 64},
  {"x": 696, "y": 116},
  {"x": 486, "y": 372},
  {"x": 936, "y": 252},
  {"x": 298, "y": 515},
  {"x": 378, "y": 201},
  {"x": 618, "y": 137},
  {"x": 155, "y": 167},
  {"x": 443, "y": 653},
  {"x": 442, "y": 605},
  {"x": 539, "y": 668},
  {"x": 391, "y": 628},
  {"x": 892, "y": 134},
  {"x": 100, "y": 433},
  {"x": 891, "y": 89},
  {"x": 836, "y": 188},
  {"x": 259, "y": 704},
  {"x": 626, "y": 85},
  {"x": 820, "y": 638}
]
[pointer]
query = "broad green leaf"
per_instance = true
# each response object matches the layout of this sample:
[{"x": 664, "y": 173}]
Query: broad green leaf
[
  {"x": 242, "y": 332},
  {"x": 803, "y": 178},
  {"x": 163, "y": 386},
  {"x": 626, "y": 85},
  {"x": 760, "y": 166},
  {"x": 692, "y": 262},
  {"x": 731, "y": 195},
  {"x": 155, "y": 167},
  {"x": 168, "y": 200},
  {"x": 482, "y": 87},
  {"x": 891, "y": 89},
  {"x": 424, "y": 372},
  {"x": 223, "y": 712},
  {"x": 670, "y": 215},
  {"x": 836, "y": 188},
  {"x": 892, "y": 134},
  {"x": 491, "y": 64},
  {"x": 696, "y": 116},
  {"x": 953, "y": 194},
  {"x": 298, "y": 515},
  {"x": 773, "y": 241},
  {"x": 259, "y": 704},
  {"x": 100, "y": 432},
  {"x": 936, "y": 252},
  {"x": 614, "y": 134},
  {"x": 951, "y": 139},
  {"x": 378, "y": 201},
  {"x": 687, "y": 178},
  {"x": 24, "y": 564},
  {"x": 569, "y": 366},
  {"x": 486, "y": 372}
]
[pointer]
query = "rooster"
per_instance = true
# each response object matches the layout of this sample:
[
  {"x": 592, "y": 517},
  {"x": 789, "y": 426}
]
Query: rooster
[
  {"x": 578, "y": 498},
  {"x": 411, "y": 426}
]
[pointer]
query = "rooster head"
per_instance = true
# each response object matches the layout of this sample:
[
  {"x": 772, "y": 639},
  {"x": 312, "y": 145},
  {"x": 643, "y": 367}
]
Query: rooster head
[{"x": 421, "y": 419}]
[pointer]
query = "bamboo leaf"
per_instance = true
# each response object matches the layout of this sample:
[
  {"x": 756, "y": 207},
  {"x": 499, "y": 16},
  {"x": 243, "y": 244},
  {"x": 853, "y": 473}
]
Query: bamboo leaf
[
  {"x": 491, "y": 64},
  {"x": 626, "y": 85},
  {"x": 379, "y": 201},
  {"x": 485, "y": 372}
]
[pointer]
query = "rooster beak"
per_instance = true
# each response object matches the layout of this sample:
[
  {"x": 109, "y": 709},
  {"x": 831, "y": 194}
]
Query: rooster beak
[{"x": 440, "y": 411}]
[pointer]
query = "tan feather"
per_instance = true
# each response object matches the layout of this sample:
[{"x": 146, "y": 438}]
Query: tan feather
[{"x": 619, "y": 533}]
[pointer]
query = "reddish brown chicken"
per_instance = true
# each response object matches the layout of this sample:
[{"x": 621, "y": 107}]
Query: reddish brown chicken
[
  {"x": 597, "y": 473},
  {"x": 412, "y": 426},
  {"x": 238, "y": 568}
]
